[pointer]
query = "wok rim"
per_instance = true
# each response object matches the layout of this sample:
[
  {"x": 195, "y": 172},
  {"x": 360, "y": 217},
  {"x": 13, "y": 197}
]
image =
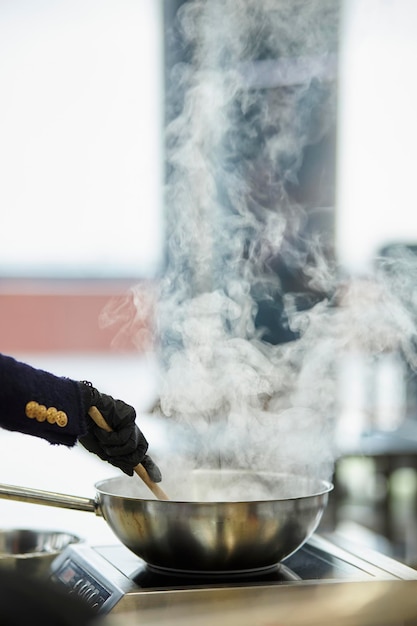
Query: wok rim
[{"x": 327, "y": 487}]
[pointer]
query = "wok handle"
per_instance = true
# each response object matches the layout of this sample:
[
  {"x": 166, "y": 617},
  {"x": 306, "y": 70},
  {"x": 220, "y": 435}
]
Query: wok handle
[
  {"x": 36, "y": 496},
  {"x": 98, "y": 418}
]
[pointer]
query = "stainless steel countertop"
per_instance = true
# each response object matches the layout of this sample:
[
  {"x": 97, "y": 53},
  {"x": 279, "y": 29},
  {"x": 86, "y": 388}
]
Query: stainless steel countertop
[{"x": 373, "y": 603}]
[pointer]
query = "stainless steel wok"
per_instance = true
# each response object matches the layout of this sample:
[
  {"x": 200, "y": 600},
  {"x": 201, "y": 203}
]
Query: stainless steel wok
[{"x": 217, "y": 521}]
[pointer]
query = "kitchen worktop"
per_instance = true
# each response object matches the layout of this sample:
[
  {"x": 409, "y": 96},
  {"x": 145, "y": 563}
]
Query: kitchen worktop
[{"x": 345, "y": 604}]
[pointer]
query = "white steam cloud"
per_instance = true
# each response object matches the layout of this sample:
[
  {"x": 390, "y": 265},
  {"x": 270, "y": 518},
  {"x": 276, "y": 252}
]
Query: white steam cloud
[{"x": 256, "y": 84}]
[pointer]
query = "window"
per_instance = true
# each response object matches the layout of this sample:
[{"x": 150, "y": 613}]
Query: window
[
  {"x": 81, "y": 138},
  {"x": 377, "y": 129}
]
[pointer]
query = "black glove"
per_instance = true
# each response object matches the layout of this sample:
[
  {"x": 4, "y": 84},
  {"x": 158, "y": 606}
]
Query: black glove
[{"x": 124, "y": 447}]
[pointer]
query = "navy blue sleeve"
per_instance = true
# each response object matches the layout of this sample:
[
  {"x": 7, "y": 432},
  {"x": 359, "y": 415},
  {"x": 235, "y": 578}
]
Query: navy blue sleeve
[{"x": 38, "y": 403}]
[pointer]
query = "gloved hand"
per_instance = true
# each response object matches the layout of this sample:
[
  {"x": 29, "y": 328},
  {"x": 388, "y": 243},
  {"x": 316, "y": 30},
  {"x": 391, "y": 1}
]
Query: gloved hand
[{"x": 124, "y": 447}]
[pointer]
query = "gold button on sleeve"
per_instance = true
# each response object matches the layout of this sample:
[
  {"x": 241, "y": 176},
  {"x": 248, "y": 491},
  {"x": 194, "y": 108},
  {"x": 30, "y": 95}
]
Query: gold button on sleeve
[
  {"x": 40, "y": 414},
  {"x": 30, "y": 409},
  {"x": 61, "y": 418},
  {"x": 51, "y": 414}
]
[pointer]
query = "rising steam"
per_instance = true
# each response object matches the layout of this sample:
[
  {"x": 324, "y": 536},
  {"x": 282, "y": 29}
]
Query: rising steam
[{"x": 256, "y": 85}]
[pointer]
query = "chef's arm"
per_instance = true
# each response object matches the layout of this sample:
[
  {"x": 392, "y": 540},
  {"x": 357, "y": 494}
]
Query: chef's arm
[{"x": 55, "y": 408}]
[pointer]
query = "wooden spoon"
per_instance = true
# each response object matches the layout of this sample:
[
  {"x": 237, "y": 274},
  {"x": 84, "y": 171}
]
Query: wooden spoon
[{"x": 98, "y": 418}]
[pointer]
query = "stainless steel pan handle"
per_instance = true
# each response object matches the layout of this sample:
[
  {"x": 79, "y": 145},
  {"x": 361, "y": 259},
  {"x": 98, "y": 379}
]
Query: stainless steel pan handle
[{"x": 50, "y": 498}]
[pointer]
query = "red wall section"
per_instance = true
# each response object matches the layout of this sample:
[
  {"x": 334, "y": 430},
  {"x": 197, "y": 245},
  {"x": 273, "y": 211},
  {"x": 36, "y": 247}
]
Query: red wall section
[{"x": 72, "y": 321}]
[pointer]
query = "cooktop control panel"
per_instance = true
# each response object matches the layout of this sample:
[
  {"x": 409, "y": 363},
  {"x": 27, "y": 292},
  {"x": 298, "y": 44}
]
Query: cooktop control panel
[{"x": 88, "y": 575}]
